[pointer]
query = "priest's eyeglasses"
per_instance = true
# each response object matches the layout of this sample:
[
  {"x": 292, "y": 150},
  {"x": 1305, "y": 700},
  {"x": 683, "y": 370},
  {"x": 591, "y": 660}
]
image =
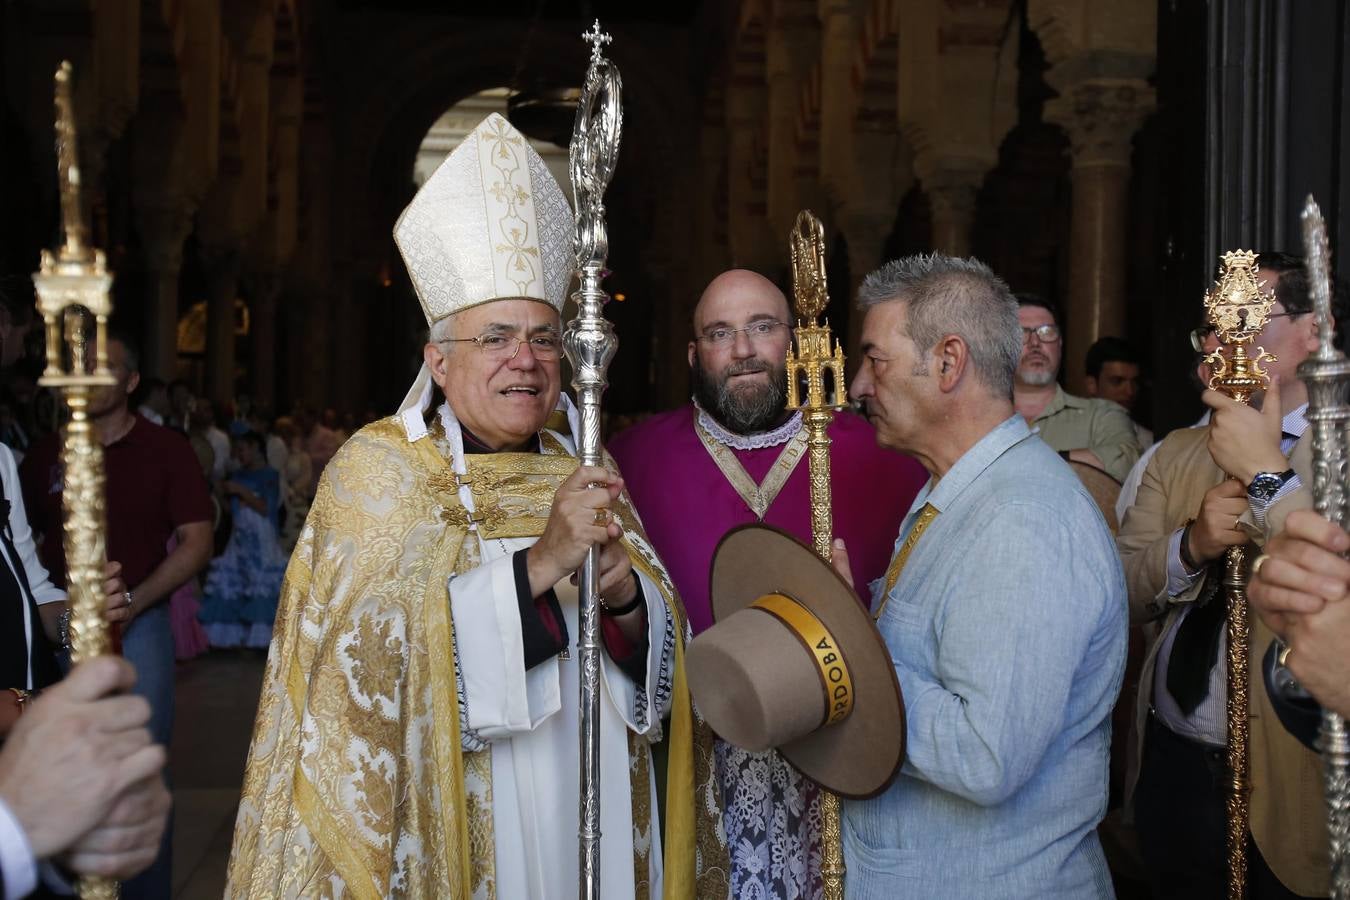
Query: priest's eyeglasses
[
  {"x": 1046, "y": 334},
  {"x": 502, "y": 347},
  {"x": 755, "y": 331}
]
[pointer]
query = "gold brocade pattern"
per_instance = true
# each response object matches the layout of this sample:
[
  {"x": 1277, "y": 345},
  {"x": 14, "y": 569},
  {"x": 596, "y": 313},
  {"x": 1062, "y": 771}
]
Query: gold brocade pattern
[
  {"x": 512, "y": 492},
  {"x": 478, "y": 773},
  {"x": 639, "y": 777},
  {"x": 759, "y": 497},
  {"x": 356, "y": 784}
]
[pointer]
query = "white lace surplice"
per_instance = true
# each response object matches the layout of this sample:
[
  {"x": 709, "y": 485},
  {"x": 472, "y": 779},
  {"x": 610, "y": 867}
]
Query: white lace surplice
[{"x": 772, "y": 820}]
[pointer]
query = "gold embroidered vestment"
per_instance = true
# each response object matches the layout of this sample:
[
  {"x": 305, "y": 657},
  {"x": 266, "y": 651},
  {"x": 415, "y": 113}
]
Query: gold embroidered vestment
[{"x": 356, "y": 781}]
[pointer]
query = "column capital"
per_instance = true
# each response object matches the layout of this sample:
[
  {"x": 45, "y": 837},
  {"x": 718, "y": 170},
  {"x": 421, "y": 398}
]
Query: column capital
[
  {"x": 951, "y": 173},
  {"x": 1100, "y": 116},
  {"x": 953, "y": 202},
  {"x": 164, "y": 224}
]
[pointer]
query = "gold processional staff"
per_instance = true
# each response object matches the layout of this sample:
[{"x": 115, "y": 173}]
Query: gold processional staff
[
  {"x": 816, "y": 370},
  {"x": 72, "y": 290},
  {"x": 1238, "y": 309}
]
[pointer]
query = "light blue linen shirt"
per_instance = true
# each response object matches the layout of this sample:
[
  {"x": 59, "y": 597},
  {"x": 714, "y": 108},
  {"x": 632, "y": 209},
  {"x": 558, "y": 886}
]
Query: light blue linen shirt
[{"x": 1007, "y": 629}]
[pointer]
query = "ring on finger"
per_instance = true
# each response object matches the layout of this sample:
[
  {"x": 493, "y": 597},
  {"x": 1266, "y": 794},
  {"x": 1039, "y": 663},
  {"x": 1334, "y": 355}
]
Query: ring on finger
[
  {"x": 601, "y": 516},
  {"x": 126, "y": 595},
  {"x": 1258, "y": 563}
]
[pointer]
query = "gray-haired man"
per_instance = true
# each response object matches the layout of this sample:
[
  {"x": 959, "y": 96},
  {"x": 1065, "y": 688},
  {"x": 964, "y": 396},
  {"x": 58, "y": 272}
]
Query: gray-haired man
[{"x": 1003, "y": 608}]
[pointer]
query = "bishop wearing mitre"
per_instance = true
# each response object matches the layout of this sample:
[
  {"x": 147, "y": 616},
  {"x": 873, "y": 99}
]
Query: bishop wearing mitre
[{"x": 418, "y": 734}]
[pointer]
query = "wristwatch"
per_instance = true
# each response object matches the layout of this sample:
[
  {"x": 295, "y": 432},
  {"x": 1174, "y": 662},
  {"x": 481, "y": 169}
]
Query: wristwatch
[{"x": 1267, "y": 484}]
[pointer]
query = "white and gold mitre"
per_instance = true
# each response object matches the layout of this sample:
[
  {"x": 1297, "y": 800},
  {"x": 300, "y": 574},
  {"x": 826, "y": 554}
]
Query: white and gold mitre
[{"x": 490, "y": 224}]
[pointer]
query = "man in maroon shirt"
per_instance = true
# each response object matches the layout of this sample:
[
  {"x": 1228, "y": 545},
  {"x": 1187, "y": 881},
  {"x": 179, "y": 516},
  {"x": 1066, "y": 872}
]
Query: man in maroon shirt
[{"x": 155, "y": 490}]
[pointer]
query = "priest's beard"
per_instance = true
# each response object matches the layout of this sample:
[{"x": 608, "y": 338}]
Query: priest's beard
[{"x": 748, "y": 409}]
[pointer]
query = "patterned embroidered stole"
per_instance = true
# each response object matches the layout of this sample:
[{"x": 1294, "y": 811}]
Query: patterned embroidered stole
[
  {"x": 512, "y": 492},
  {"x": 759, "y": 497},
  {"x": 513, "y": 495},
  {"x": 926, "y": 516}
]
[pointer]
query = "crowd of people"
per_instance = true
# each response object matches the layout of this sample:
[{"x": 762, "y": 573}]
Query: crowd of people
[{"x": 1033, "y": 604}]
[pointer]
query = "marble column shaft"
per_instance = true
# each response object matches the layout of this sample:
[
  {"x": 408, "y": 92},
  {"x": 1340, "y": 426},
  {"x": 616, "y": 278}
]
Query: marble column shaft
[
  {"x": 163, "y": 227},
  {"x": 222, "y": 266},
  {"x": 1101, "y": 117},
  {"x": 263, "y": 335}
]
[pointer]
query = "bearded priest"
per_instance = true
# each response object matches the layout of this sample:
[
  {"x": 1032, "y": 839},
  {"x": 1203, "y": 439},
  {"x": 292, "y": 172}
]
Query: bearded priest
[
  {"x": 418, "y": 731},
  {"x": 733, "y": 456}
]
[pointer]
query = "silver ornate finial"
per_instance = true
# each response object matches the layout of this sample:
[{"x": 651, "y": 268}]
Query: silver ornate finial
[
  {"x": 597, "y": 39},
  {"x": 1318, "y": 261}
]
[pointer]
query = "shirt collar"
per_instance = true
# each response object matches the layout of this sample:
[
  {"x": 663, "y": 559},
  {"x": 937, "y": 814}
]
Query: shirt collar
[{"x": 1007, "y": 434}]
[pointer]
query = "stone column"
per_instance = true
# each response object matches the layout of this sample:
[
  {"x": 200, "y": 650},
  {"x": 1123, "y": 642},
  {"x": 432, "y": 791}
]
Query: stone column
[
  {"x": 711, "y": 199},
  {"x": 951, "y": 202},
  {"x": 222, "y": 272},
  {"x": 1101, "y": 117},
  {"x": 748, "y": 229},
  {"x": 164, "y": 225},
  {"x": 791, "y": 40},
  {"x": 866, "y": 232},
  {"x": 347, "y": 389},
  {"x": 266, "y": 288},
  {"x": 838, "y": 44}
]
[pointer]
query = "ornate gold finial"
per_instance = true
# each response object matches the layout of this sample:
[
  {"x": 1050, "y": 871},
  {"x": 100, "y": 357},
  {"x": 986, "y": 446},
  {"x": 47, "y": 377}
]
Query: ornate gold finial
[
  {"x": 73, "y": 284},
  {"x": 68, "y": 170},
  {"x": 818, "y": 362},
  {"x": 1238, "y": 309},
  {"x": 808, "y": 266}
]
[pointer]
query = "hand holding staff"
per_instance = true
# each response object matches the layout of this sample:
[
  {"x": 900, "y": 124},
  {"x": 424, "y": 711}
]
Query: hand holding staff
[{"x": 72, "y": 288}]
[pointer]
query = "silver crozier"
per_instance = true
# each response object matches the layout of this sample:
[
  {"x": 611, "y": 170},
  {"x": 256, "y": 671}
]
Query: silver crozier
[{"x": 590, "y": 342}]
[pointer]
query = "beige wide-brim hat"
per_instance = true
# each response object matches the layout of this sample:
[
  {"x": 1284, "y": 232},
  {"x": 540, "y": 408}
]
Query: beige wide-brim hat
[{"x": 794, "y": 662}]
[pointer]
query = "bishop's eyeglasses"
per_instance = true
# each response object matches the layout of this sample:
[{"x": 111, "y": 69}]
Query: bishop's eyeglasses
[
  {"x": 502, "y": 347},
  {"x": 755, "y": 331}
]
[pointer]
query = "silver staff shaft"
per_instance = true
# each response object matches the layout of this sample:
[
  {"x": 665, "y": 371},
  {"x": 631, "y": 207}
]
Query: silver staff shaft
[
  {"x": 1327, "y": 375},
  {"x": 590, "y": 343}
]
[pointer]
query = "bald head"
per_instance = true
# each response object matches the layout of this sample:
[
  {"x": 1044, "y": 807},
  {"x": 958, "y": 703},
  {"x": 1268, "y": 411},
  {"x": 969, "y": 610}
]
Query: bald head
[
  {"x": 737, "y": 360},
  {"x": 736, "y": 296}
]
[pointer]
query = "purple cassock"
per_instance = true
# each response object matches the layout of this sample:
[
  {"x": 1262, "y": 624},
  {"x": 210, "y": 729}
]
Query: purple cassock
[
  {"x": 687, "y": 503},
  {"x": 692, "y": 481}
]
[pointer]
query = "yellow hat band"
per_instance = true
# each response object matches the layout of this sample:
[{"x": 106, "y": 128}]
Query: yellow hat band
[{"x": 835, "y": 679}]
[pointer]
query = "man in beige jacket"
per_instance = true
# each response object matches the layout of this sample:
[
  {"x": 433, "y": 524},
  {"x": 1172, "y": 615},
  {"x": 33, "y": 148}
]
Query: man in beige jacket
[{"x": 1204, "y": 491}]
